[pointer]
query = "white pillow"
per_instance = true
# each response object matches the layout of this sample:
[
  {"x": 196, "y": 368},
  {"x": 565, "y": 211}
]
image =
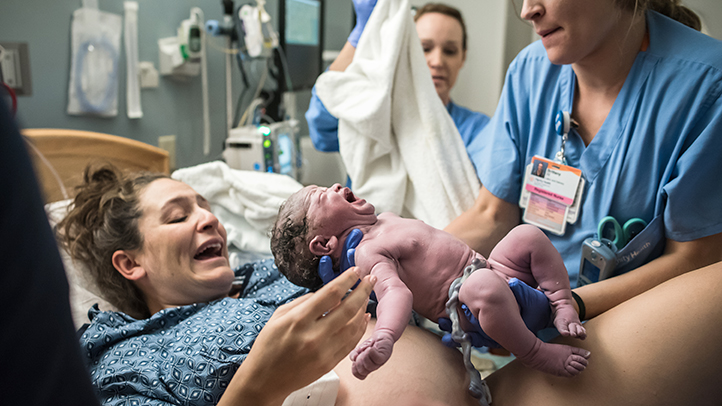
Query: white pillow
[{"x": 83, "y": 292}]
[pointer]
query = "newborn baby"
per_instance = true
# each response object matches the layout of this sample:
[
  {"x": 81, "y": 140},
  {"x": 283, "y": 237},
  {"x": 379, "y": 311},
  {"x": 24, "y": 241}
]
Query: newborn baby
[{"x": 415, "y": 264}]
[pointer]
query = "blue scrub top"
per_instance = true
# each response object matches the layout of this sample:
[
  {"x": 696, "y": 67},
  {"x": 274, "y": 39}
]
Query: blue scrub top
[
  {"x": 658, "y": 153},
  {"x": 323, "y": 127}
]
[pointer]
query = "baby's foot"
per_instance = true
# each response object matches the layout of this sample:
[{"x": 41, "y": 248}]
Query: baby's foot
[
  {"x": 370, "y": 355},
  {"x": 556, "y": 359},
  {"x": 566, "y": 320}
]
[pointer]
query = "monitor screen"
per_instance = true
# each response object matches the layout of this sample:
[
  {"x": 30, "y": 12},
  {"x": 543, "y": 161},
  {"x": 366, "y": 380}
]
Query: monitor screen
[
  {"x": 285, "y": 154},
  {"x": 302, "y": 40},
  {"x": 302, "y": 22}
]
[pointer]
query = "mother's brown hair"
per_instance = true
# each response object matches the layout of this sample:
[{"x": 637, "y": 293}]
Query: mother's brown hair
[{"x": 103, "y": 219}]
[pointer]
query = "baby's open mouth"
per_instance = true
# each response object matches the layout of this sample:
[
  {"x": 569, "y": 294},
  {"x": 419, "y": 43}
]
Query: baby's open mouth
[{"x": 348, "y": 194}]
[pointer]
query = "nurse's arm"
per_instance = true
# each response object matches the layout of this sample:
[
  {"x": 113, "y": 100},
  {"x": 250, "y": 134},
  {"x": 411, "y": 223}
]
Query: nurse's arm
[
  {"x": 486, "y": 223},
  {"x": 344, "y": 58},
  {"x": 678, "y": 258}
]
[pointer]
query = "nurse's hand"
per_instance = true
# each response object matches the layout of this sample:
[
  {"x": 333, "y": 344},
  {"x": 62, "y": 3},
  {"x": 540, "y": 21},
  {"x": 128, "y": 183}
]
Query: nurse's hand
[
  {"x": 535, "y": 311},
  {"x": 325, "y": 265},
  {"x": 363, "y": 10}
]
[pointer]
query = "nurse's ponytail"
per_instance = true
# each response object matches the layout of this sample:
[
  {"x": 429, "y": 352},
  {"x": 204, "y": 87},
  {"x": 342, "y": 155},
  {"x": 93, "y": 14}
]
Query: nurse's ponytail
[{"x": 671, "y": 8}]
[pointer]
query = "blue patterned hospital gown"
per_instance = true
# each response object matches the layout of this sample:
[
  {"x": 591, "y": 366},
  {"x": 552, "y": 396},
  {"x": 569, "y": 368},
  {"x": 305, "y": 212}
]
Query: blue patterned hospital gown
[{"x": 185, "y": 355}]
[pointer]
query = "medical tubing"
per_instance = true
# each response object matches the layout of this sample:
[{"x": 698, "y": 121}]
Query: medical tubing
[
  {"x": 241, "y": 67},
  {"x": 50, "y": 167},
  {"x": 284, "y": 64},
  {"x": 229, "y": 89},
  {"x": 131, "y": 54},
  {"x": 110, "y": 90},
  {"x": 13, "y": 97},
  {"x": 246, "y": 85},
  {"x": 255, "y": 99},
  {"x": 198, "y": 13},
  {"x": 239, "y": 103},
  {"x": 251, "y": 108}
]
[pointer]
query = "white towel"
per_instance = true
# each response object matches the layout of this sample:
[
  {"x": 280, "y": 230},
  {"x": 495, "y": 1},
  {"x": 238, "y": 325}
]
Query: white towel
[
  {"x": 245, "y": 202},
  {"x": 398, "y": 142}
]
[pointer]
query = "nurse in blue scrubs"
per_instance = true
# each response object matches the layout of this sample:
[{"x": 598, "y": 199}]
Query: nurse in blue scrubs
[
  {"x": 646, "y": 91},
  {"x": 443, "y": 37}
]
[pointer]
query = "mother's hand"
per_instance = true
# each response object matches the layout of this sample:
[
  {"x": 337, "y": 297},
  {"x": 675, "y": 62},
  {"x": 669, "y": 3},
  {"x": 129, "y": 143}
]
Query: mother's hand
[{"x": 302, "y": 341}]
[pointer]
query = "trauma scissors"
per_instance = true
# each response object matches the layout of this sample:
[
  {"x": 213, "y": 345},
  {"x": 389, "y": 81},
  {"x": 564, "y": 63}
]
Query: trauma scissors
[{"x": 610, "y": 229}]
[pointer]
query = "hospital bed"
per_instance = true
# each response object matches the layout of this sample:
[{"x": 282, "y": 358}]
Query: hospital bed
[{"x": 65, "y": 153}]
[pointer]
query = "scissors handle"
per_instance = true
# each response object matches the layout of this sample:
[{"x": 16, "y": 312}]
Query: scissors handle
[
  {"x": 633, "y": 227},
  {"x": 610, "y": 229}
]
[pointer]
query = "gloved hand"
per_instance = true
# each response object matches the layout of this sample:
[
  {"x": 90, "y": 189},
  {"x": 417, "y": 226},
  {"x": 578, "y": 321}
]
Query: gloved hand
[
  {"x": 325, "y": 265},
  {"x": 535, "y": 311},
  {"x": 363, "y": 10},
  {"x": 477, "y": 338}
]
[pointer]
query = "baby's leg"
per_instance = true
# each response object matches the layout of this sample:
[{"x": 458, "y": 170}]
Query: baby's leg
[
  {"x": 527, "y": 249},
  {"x": 489, "y": 298}
]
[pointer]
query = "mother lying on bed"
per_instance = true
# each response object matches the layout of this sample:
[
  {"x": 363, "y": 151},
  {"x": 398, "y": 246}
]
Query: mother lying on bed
[{"x": 160, "y": 255}]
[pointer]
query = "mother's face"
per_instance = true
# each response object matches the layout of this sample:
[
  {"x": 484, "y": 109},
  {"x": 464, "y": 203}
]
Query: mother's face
[
  {"x": 442, "y": 40},
  {"x": 184, "y": 258}
]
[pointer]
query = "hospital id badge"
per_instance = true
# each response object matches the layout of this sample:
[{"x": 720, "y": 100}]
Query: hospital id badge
[{"x": 551, "y": 194}]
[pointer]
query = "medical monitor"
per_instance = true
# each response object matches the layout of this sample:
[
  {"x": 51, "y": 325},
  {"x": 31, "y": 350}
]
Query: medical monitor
[{"x": 301, "y": 37}]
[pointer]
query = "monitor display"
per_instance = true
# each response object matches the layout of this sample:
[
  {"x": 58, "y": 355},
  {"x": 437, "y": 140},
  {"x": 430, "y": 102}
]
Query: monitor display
[
  {"x": 302, "y": 40},
  {"x": 285, "y": 154},
  {"x": 302, "y": 22}
]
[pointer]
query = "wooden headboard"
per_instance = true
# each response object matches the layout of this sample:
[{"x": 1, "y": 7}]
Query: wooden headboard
[{"x": 70, "y": 151}]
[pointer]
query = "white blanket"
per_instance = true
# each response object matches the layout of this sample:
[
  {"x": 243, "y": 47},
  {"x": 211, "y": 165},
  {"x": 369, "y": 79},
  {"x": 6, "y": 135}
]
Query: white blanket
[
  {"x": 398, "y": 142},
  {"x": 245, "y": 202}
]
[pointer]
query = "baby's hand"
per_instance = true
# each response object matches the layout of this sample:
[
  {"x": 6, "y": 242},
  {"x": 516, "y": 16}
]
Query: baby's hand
[{"x": 371, "y": 354}]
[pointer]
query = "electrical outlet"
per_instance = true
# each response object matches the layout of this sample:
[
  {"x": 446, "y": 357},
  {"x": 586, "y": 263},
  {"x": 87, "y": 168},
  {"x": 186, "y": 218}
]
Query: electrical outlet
[
  {"x": 167, "y": 142},
  {"x": 15, "y": 65},
  {"x": 10, "y": 64}
]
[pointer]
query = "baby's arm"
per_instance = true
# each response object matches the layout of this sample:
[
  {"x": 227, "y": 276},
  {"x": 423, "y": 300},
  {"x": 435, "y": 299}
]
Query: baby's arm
[{"x": 393, "y": 313}]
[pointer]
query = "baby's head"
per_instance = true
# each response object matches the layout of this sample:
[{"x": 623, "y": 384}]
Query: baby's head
[
  {"x": 310, "y": 224},
  {"x": 289, "y": 243}
]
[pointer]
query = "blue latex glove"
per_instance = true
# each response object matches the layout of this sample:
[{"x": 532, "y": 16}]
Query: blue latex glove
[
  {"x": 325, "y": 265},
  {"x": 535, "y": 311},
  {"x": 363, "y": 10}
]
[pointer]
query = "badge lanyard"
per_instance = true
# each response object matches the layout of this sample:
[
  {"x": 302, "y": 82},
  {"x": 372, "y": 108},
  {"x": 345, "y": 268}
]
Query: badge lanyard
[
  {"x": 563, "y": 122},
  {"x": 552, "y": 190}
]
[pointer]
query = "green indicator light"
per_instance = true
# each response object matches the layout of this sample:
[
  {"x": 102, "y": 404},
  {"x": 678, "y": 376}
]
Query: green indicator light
[
  {"x": 267, "y": 143},
  {"x": 264, "y": 130}
]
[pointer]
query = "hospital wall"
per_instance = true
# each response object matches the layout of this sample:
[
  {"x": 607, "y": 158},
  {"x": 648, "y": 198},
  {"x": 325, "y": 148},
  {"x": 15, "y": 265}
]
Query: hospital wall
[{"x": 496, "y": 34}]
